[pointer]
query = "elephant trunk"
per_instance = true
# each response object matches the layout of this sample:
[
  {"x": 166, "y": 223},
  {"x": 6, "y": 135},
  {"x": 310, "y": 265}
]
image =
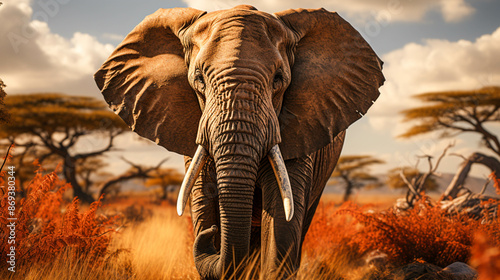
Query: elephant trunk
[
  {"x": 238, "y": 128},
  {"x": 236, "y": 159},
  {"x": 236, "y": 183},
  {"x": 235, "y": 206}
]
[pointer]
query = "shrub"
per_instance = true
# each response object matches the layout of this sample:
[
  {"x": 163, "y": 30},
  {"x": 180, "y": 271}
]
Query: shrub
[
  {"x": 485, "y": 257},
  {"x": 326, "y": 248},
  {"x": 43, "y": 230},
  {"x": 426, "y": 233}
]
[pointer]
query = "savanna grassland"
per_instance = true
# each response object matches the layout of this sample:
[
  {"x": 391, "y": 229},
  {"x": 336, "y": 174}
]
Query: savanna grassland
[{"x": 138, "y": 238}]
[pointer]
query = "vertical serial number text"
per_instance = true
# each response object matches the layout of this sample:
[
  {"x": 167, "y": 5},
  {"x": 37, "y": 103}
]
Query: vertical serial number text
[{"x": 11, "y": 204}]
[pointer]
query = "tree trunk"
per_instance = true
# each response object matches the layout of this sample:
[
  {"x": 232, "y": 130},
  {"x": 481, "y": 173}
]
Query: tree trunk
[
  {"x": 459, "y": 179},
  {"x": 348, "y": 188},
  {"x": 69, "y": 172}
]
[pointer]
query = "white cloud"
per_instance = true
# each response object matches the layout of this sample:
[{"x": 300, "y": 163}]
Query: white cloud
[
  {"x": 34, "y": 59},
  {"x": 436, "y": 65},
  {"x": 386, "y": 10},
  {"x": 455, "y": 10},
  {"x": 113, "y": 37}
]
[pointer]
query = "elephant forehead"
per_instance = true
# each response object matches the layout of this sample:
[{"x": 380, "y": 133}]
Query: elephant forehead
[
  {"x": 238, "y": 24},
  {"x": 238, "y": 40}
]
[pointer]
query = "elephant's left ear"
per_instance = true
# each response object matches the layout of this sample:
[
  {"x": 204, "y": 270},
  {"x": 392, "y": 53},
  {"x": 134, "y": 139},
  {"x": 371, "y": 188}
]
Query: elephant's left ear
[
  {"x": 335, "y": 79},
  {"x": 145, "y": 81}
]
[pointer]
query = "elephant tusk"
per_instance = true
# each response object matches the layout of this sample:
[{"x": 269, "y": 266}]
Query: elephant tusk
[
  {"x": 279, "y": 168},
  {"x": 199, "y": 159}
]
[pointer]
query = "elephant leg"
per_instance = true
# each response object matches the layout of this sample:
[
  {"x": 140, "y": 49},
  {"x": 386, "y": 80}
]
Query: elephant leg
[
  {"x": 324, "y": 162},
  {"x": 204, "y": 201},
  {"x": 281, "y": 240}
]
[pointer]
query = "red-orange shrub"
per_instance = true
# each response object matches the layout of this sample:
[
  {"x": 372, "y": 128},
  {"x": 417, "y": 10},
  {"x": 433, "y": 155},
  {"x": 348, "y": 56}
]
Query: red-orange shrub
[
  {"x": 496, "y": 182},
  {"x": 328, "y": 232},
  {"x": 425, "y": 233},
  {"x": 486, "y": 258},
  {"x": 43, "y": 230}
]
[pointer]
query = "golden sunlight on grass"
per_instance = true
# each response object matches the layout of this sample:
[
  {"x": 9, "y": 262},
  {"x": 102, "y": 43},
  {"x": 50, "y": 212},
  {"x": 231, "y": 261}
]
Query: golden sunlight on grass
[
  {"x": 158, "y": 248},
  {"x": 139, "y": 239}
]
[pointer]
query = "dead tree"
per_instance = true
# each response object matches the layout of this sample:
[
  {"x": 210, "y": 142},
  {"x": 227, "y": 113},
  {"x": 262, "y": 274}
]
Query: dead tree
[
  {"x": 457, "y": 198},
  {"x": 136, "y": 171},
  {"x": 458, "y": 182},
  {"x": 417, "y": 184}
]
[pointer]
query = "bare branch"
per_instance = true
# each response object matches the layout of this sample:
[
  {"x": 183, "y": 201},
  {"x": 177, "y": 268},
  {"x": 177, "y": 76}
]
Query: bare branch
[
  {"x": 6, "y": 155},
  {"x": 66, "y": 137},
  {"x": 491, "y": 113},
  {"x": 161, "y": 162},
  {"x": 443, "y": 154},
  {"x": 488, "y": 180},
  {"x": 109, "y": 147},
  {"x": 464, "y": 119},
  {"x": 140, "y": 172},
  {"x": 458, "y": 155},
  {"x": 74, "y": 138},
  {"x": 405, "y": 180},
  {"x": 458, "y": 180},
  {"x": 463, "y": 129},
  {"x": 47, "y": 141},
  {"x": 131, "y": 163}
]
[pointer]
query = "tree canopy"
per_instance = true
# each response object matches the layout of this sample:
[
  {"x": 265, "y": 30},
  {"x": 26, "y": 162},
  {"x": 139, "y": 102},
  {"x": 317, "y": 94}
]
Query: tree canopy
[
  {"x": 53, "y": 124},
  {"x": 455, "y": 112},
  {"x": 50, "y": 113},
  {"x": 395, "y": 180},
  {"x": 165, "y": 178},
  {"x": 354, "y": 171}
]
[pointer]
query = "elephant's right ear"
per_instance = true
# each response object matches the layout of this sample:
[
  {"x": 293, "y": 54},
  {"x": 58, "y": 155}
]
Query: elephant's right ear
[
  {"x": 335, "y": 79},
  {"x": 145, "y": 81}
]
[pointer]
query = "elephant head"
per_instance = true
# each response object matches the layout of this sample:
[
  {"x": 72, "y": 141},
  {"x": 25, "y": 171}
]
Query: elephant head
[{"x": 238, "y": 86}]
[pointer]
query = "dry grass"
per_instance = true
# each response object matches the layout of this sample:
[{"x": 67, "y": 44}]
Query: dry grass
[
  {"x": 160, "y": 247},
  {"x": 151, "y": 242}
]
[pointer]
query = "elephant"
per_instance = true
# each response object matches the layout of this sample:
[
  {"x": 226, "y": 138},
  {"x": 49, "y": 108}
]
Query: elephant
[{"x": 258, "y": 104}]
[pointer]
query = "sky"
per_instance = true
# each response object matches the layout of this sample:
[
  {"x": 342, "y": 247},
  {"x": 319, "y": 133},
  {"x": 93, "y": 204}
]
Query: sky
[{"x": 426, "y": 45}]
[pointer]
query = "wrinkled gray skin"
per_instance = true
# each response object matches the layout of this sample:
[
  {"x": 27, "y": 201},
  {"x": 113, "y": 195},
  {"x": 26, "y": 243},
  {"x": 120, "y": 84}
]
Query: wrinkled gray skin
[{"x": 238, "y": 82}]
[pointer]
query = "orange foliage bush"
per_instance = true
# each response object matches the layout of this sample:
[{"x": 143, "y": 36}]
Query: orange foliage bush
[
  {"x": 486, "y": 258},
  {"x": 328, "y": 232},
  {"x": 42, "y": 230},
  {"x": 496, "y": 182},
  {"x": 326, "y": 248},
  {"x": 424, "y": 233}
]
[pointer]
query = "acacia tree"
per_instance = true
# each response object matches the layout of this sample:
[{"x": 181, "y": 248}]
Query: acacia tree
[
  {"x": 398, "y": 178},
  {"x": 455, "y": 112},
  {"x": 27, "y": 165},
  {"x": 165, "y": 178},
  {"x": 353, "y": 171},
  {"x": 61, "y": 125}
]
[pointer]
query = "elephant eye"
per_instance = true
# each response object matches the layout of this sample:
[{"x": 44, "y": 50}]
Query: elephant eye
[
  {"x": 199, "y": 80},
  {"x": 277, "y": 80}
]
